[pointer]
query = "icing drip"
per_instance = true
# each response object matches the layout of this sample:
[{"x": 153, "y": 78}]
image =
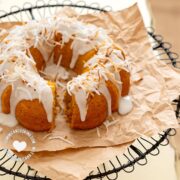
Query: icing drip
[
  {"x": 81, "y": 100},
  {"x": 79, "y": 48},
  {"x": 125, "y": 105},
  {"x": 45, "y": 50},
  {"x": 104, "y": 90},
  {"x": 118, "y": 78},
  {"x": 22, "y": 92},
  {"x": 8, "y": 120},
  {"x": 92, "y": 81},
  {"x": 47, "y": 101}
]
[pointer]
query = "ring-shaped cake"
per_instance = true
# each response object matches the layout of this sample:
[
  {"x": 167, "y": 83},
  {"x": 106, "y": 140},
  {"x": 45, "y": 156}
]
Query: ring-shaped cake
[{"x": 61, "y": 62}]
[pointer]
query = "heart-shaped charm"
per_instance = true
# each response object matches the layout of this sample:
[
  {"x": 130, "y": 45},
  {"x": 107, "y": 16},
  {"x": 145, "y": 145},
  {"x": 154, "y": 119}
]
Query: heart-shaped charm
[{"x": 19, "y": 145}]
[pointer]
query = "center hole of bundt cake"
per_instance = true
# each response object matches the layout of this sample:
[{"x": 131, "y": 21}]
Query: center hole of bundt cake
[{"x": 58, "y": 74}]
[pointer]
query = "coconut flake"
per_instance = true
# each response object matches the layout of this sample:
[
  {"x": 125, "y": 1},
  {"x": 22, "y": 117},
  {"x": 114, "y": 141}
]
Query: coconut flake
[
  {"x": 61, "y": 138},
  {"x": 98, "y": 132}
]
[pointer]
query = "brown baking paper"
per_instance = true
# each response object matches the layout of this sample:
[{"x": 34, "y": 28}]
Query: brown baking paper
[
  {"x": 154, "y": 85},
  {"x": 72, "y": 164}
]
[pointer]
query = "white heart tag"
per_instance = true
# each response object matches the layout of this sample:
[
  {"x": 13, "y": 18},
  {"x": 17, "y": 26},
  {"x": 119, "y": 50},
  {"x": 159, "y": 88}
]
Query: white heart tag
[{"x": 19, "y": 146}]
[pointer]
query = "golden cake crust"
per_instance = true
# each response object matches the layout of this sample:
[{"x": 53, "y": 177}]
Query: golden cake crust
[
  {"x": 31, "y": 115},
  {"x": 125, "y": 79},
  {"x": 5, "y": 99},
  {"x": 94, "y": 117},
  {"x": 38, "y": 58}
]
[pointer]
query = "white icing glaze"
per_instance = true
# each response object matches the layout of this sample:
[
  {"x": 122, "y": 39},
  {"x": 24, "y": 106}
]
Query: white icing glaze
[
  {"x": 119, "y": 85},
  {"x": 53, "y": 71},
  {"x": 125, "y": 105},
  {"x": 45, "y": 50},
  {"x": 22, "y": 92},
  {"x": 81, "y": 100},
  {"x": 118, "y": 78},
  {"x": 79, "y": 48},
  {"x": 104, "y": 90},
  {"x": 85, "y": 37},
  {"x": 87, "y": 83},
  {"x": 8, "y": 120},
  {"x": 103, "y": 66}
]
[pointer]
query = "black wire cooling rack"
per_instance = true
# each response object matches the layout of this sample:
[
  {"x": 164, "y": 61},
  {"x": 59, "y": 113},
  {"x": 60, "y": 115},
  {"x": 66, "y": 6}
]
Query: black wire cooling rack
[{"x": 138, "y": 151}]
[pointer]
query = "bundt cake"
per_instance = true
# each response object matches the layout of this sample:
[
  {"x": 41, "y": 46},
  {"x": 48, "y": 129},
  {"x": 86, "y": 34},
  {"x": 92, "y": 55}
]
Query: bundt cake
[{"x": 65, "y": 63}]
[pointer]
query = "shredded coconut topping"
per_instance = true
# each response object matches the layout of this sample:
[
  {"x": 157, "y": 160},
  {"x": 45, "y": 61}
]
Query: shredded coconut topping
[
  {"x": 17, "y": 64},
  {"x": 62, "y": 139}
]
